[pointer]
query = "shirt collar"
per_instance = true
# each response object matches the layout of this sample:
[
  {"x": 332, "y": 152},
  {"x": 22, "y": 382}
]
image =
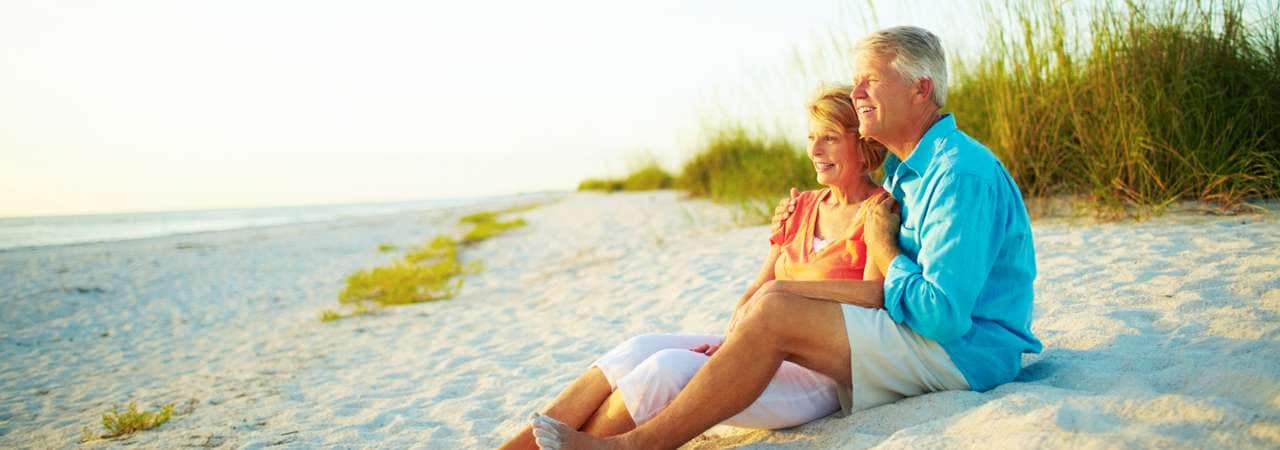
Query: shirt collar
[{"x": 929, "y": 144}]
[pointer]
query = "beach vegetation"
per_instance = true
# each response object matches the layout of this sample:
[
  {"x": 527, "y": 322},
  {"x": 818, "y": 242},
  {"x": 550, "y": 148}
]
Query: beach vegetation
[
  {"x": 646, "y": 174},
  {"x": 385, "y": 247},
  {"x": 601, "y": 184},
  {"x": 1129, "y": 104},
  {"x": 741, "y": 166},
  {"x": 486, "y": 230},
  {"x": 486, "y": 224},
  {"x": 426, "y": 273},
  {"x": 131, "y": 420},
  {"x": 649, "y": 177}
]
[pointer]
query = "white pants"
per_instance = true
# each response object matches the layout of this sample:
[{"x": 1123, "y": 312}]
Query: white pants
[{"x": 650, "y": 370}]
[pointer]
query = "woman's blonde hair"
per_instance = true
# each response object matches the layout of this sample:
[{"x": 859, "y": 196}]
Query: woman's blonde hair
[{"x": 833, "y": 108}]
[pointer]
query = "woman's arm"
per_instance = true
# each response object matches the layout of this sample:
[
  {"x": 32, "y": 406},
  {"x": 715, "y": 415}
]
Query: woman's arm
[{"x": 867, "y": 294}]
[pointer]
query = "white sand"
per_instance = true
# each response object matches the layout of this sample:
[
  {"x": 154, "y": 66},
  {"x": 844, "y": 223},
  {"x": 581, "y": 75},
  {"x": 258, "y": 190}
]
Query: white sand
[{"x": 1158, "y": 334}]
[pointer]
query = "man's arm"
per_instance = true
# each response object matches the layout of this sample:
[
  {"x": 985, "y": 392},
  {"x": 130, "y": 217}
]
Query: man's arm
[{"x": 960, "y": 240}]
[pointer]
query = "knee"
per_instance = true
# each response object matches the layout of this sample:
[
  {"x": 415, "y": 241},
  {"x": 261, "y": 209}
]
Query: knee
[
  {"x": 674, "y": 367},
  {"x": 643, "y": 342},
  {"x": 767, "y": 315}
]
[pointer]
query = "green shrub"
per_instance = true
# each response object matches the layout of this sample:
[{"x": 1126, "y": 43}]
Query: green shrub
[
  {"x": 649, "y": 177},
  {"x": 384, "y": 248},
  {"x": 746, "y": 168},
  {"x": 601, "y": 184}
]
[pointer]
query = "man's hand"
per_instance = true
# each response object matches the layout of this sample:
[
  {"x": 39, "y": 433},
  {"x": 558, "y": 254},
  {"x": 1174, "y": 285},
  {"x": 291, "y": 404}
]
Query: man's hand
[
  {"x": 881, "y": 228},
  {"x": 784, "y": 210}
]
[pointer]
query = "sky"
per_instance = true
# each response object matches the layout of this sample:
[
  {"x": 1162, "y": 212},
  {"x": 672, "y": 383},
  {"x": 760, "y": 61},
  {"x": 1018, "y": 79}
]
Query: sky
[{"x": 132, "y": 105}]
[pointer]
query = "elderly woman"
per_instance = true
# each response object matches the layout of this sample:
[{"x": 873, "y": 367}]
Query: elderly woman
[{"x": 821, "y": 240}]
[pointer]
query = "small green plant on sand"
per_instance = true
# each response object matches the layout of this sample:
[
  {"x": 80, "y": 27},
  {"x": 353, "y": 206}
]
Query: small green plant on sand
[
  {"x": 385, "y": 247},
  {"x": 486, "y": 230},
  {"x": 427, "y": 273},
  {"x": 329, "y": 315},
  {"x": 485, "y": 224},
  {"x": 120, "y": 423}
]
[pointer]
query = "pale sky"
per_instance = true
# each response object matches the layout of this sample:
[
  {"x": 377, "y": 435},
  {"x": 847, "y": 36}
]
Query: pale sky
[{"x": 130, "y": 105}]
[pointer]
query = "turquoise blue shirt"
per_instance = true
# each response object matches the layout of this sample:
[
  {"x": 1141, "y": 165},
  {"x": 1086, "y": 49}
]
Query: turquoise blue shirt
[{"x": 968, "y": 262}]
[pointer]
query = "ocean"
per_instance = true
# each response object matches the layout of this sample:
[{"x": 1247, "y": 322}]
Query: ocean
[{"x": 73, "y": 229}]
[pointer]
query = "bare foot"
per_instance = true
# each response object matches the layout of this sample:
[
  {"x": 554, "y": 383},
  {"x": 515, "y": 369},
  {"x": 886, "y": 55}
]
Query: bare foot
[{"x": 550, "y": 434}]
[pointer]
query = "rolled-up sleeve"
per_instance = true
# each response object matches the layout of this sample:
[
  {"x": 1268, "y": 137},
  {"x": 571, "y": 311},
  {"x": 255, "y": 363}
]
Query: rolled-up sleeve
[{"x": 935, "y": 294}]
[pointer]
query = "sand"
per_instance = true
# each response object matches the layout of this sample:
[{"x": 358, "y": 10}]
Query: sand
[{"x": 1161, "y": 333}]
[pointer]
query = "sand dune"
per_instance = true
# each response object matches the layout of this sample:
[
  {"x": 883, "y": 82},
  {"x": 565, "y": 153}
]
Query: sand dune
[{"x": 1161, "y": 334}]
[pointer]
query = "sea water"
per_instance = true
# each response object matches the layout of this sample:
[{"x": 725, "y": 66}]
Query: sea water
[{"x": 71, "y": 229}]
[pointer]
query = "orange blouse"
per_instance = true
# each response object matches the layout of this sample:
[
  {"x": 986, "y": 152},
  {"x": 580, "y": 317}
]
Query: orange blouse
[{"x": 843, "y": 258}]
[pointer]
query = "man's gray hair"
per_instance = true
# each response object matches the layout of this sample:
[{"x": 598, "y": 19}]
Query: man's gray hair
[{"x": 917, "y": 55}]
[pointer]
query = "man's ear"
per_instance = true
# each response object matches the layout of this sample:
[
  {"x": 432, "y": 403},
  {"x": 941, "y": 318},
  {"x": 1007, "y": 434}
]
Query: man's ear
[{"x": 924, "y": 91}]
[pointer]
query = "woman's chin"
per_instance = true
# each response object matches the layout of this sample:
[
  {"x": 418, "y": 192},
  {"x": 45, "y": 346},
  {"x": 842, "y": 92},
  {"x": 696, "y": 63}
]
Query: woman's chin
[{"x": 825, "y": 179}]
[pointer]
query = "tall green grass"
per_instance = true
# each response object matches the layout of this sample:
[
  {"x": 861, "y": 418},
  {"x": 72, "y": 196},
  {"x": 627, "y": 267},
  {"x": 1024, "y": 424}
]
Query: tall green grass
[
  {"x": 1129, "y": 105},
  {"x": 646, "y": 175},
  {"x": 740, "y": 166},
  {"x": 734, "y": 165}
]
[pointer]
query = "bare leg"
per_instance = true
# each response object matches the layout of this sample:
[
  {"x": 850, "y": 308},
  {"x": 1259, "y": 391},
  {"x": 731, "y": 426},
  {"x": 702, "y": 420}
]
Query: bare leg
[
  {"x": 611, "y": 419},
  {"x": 574, "y": 406},
  {"x": 780, "y": 327}
]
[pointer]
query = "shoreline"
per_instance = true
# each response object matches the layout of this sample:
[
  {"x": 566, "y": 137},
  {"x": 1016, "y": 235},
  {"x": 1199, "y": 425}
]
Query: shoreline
[
  {"x": 338, "y": 212},
  {"x": 1162, "y": 332}
]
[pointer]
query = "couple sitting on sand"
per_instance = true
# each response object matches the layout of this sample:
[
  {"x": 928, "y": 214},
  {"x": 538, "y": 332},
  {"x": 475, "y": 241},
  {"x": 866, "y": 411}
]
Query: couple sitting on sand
[{"x": 856, "y": 305}]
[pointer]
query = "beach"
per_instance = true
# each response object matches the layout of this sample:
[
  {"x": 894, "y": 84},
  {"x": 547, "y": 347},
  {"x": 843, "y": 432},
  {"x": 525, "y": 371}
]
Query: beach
[{"x": 1161, "y": 333}]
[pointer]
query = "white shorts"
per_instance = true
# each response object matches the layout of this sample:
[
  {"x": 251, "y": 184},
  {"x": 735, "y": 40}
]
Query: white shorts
[
  {"x": 650, "y": 370},
  {"x": 888, "y": 362}
]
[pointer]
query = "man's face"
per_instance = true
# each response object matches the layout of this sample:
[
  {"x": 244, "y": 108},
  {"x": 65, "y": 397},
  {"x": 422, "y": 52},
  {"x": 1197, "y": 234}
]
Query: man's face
[{"x": 882, "y": 98}]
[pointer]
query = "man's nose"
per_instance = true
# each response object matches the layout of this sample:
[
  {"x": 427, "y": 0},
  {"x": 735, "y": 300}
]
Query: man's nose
[{"x": 859, "y": 91}]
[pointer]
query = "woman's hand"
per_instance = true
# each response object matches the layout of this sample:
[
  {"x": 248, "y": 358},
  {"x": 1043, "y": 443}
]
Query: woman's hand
[
  {"x": 706, "y": 349},
  {"x": 784, "y": 210}
]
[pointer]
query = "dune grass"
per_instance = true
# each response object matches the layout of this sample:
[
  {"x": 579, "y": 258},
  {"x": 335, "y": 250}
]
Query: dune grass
[
  {"x": 1126, "y": 107},
  {"x": 601, "y": 184},
  {"x": 734, "y": 165},
  {"x": 120, "y": 423},
  {"x": 744, "y": 167},
  {"x": 1158, "y": 102},
  {"x": 646, "y": 175},
  {"x": 427, "y": 273}
]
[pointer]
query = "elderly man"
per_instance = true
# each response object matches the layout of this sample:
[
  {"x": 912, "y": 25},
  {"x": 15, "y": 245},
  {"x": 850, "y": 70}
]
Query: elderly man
[{"x": 954, "y": 309}]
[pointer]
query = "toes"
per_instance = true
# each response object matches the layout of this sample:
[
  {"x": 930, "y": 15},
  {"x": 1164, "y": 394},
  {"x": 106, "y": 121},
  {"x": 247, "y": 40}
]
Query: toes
[{"x": 546, "y": 431}]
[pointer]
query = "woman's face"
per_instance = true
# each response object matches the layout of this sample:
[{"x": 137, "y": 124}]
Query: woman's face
[{"x": 835, "y": 156}]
